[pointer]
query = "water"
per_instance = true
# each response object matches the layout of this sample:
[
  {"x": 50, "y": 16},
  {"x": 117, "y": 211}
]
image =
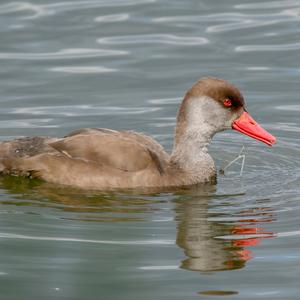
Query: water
[{"x": 126, "y": 64}]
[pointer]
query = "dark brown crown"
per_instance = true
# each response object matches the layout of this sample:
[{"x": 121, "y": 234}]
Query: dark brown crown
[{"x": 216, "y": 89}]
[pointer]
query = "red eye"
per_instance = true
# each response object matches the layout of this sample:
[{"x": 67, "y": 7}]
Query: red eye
[{"x": 227, "y": 102}]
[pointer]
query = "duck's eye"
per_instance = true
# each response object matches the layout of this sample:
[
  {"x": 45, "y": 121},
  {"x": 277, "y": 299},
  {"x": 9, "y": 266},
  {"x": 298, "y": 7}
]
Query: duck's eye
[{"x": 227, "y": 102}]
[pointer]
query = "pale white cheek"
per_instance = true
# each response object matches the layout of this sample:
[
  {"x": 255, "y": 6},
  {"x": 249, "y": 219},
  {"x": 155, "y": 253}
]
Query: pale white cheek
[
  {"x": 231, "y": 116},
  {"x": 209, "y": 115},
  {"x": 236, "y": 114},
  {"x": 229, "y": 121}
]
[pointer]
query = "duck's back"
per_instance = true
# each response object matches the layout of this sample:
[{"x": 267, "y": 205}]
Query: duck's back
[
  {"x": 124, "y": 150},
  {"x": 88, "y": 158}
]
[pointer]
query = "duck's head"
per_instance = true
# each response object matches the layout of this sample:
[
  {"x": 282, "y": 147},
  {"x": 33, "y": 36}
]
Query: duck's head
[{"x": 214, "y": 105}]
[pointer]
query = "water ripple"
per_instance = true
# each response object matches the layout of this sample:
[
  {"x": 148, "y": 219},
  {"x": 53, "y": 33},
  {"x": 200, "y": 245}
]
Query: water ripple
[
  {"x": 233, "y": 20},
  {"x": 268, "y": 5},
  {"x": 165, "y": 101},
  {"x": 54, "y": 8},
  {"x": 267, "y": 48},
  {"x": 112, "y": 18},
  {"x": 67, "y": 239},
  {"x": 28, "y": 123},
  {"x": 72, "y": 5},
  {"x": 169, "y": 39},
  {"x": 239, "y": 25},
  {"x": 83, "y": 70},
  {"x": 81, "y": 110},
  {"x": 37, "y": 10},
  {"x": 244, "y": 236},
  {"x": 288, "y": 233},
  {"x": 63, "y": 54},
  {"x": 290, "y": 127},
  {"x": 196, "y": 18},
  {"x": 255, "y": 68},
  {"x": 292, "y": 107},
  {"x": 159, "y": 268}
]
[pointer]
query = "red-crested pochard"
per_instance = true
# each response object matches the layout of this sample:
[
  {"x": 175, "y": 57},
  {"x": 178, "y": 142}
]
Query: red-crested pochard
[{"x": 96, "y": 158}]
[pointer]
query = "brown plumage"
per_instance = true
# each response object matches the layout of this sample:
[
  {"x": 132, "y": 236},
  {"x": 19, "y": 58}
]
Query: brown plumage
[
  {"x": 87, "y": 158},
  {"x": 104, "y": 158}
]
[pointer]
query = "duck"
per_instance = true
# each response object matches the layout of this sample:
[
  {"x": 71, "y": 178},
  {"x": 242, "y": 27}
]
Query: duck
[{"x": 100, "y": 158}]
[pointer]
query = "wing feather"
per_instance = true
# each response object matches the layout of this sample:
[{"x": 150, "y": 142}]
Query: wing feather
[{"x": 123, "y": 150}]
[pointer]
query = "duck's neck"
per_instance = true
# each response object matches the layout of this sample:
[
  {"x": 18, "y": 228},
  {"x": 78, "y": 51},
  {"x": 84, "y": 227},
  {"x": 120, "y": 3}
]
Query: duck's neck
[
  {"x": 193, "y": 135},
  {"x": 190, "y": 151}
]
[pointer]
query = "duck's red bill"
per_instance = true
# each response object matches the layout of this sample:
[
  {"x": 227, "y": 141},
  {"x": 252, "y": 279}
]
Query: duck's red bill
[{"x": 247, "y": 125}]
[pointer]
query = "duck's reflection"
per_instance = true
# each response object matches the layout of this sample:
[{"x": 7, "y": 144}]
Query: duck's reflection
[
  {"x": 215, "y": 232},
  {"x": 110, "y": 206},
  {"x": 217, "y": 241}
]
